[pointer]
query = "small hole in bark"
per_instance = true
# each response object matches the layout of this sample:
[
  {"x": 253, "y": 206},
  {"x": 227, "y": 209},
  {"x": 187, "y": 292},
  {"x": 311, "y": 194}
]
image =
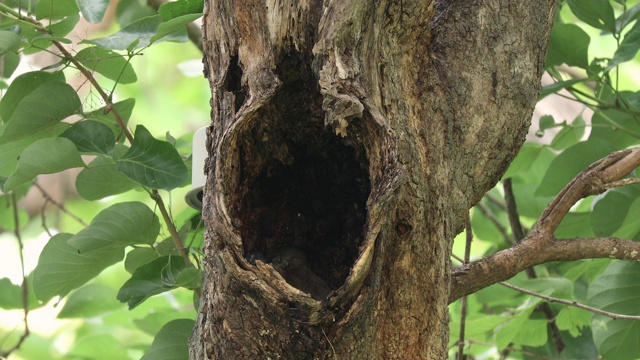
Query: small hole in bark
[
  {"x": 302, "y": 190},
  {"x": 234, "y": 82}
]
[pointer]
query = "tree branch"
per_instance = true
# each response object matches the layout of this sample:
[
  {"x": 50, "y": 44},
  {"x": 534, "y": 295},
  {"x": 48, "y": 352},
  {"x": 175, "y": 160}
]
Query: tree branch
[
  {"x": 540, "y": 246},
  {"x": 570, "y": 303}
]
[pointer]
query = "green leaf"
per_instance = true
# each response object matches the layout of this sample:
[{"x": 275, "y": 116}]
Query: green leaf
[
  {"x": 546, "y": 122},
  {"x": 511, "y": 330},
  {"x": 55, "y": 9},
  {"x": 89, "y": 301},
  {"x": 625, "y": 19},
  {"x": 153, "y": 163},
  {"x": 137, "y": 257},
  {"x": 614, "y": 127},
  {"x": 627, "y": 49},
  {"x": 172, "y": 26},
  {"x": 10, "y": 152},
  {"x": 570, "y": 134},
  {"x": 172, "y": 10},
  {"x": 573, "y": 225},
  {"x": 101, "y": 179},
  {"x": 44, "y": 107},
  {"x": 573, "y": 320},
  {"x": 11, "y": 62},
  {"x": 9, "y": 41},
  {"x": 118, "y": 226},
  {"x": 108, "y": 63},
  {"x": 569, "y": 45},
  {"x": 99, "y": 347},
  {"x": 91, "y": 137},
  {"x": 613, "y": 215},
  {"x": 124, "y": 108},
  {"x": 616, "y": 290},
  {"x": 93, "y": 10},
  {"x": 171, "y": 342},
  {"x": 45, "y": 156},
  {"x": 22, "y": 86},
  {"x": 64, "y": 27},
  {"x": 569, "y": 163},
  {"x": 140, "y": 31},
  {"x": 597, "y": 13},
  {"x": 10, "y": 295},
  {"x": 61, "y": 268},
  {"x": 153, "y": 278},
  {"x": 154, "y": 321}
]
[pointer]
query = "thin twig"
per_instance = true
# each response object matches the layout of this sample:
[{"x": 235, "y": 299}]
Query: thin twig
[
  {"x": 25, "y": 285},
  {"x": 495, "y": 200},
  {"x": 463, "y": 301},
  {"x": 486, "y": 211},
  {"x": 570, "y": 303},
  {"x": 622, "y": 182},
  {"x": 518, "y": 233},
  {"x": 58, "y": 204}
]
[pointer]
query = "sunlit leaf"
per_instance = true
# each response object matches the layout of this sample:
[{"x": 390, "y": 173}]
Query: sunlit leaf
[
  {"x": 570, "y": 134},
  {"x": 153, "y": 163},
  {"x": 573, "y": 320},
  {"x": 573, "y": 225},
  {"x": 44, "y": 107},
  {"x": 171, "y": 342},
  {"x": 45, "y": 156},
  {"x": 597, "y": 13},
  {"x": 63, "y": 27},
  {"x": 10, "y": 295},
  {"x": 9, "y": 41},
  {"x": 61, "y": 268},
  {"x": 569, "y": 45},
  {"x": 10, "y": 152},
  {"x": 88, "y": 301},
  {"x": 93, "y": 10},
  {"x": 616, "y": 213},
  {"x": 616, "y": 290},
  {"x": 22, "y": 86},
  {"x": 507, "y": 334},
  {"x": 119, "y": 225},
  {"x": 174, "y": 9},
  {"x": 140, "y": 31},
  {"x": 99, "y": 347},
  {"x": 55, "y": 9},
  {"x": 615, "y": 128},
  {"x": 11, "y": 62},
  {"x": 108, "y": 63},
  {"x": 154, "y": 321},
  {"x": 172, "y": 26},
  {"x": 628, "y": 48},
  {"x": 124, "y": 108},
  {"x": 569, "y": 163}
]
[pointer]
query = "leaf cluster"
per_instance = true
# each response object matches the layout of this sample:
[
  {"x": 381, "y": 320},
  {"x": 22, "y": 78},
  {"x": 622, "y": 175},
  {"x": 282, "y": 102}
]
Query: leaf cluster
[{"x": 46, "y": 127}]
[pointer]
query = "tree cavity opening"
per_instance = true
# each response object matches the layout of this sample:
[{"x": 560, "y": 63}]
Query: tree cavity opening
[{"x": 302, "y": 190}]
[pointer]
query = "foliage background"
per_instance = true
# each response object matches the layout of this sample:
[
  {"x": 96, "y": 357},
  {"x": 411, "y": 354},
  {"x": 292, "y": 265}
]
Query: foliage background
[{"x": 90, "y": 322}]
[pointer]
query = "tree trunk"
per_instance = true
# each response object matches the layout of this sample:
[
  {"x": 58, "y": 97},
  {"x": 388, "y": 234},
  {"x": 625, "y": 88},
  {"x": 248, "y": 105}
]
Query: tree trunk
[{"x": 349, "y": 140}]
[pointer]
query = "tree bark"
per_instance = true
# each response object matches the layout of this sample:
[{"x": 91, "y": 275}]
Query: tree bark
[{"x": 348, "y": 141}]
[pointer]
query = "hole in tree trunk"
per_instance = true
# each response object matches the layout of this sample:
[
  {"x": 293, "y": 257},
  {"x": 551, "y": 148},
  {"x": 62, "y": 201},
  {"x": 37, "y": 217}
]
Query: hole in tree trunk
[{"x": 302, "y": 190}]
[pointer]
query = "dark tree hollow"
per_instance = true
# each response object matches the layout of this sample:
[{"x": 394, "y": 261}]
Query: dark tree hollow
[{"x": 299, "y": 185}]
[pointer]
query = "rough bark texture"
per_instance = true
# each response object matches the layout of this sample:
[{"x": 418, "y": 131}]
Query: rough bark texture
[{"x": 349, "y": 140}]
